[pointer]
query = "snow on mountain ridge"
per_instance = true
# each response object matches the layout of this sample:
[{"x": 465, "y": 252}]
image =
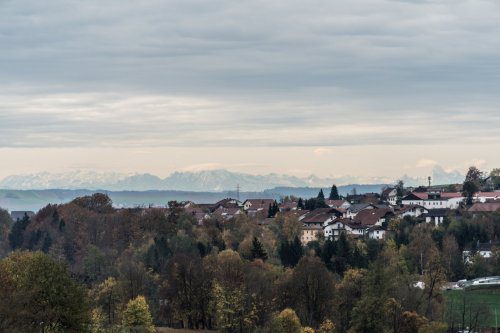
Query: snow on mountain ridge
[{"x": 206, "y": 180}]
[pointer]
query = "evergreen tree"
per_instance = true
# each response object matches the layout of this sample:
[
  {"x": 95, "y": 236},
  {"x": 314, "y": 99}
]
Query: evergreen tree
[
  {"x": 320, "y": 200},
  {"x": 300, "y": 204},
  {"x": 343, "y": 254},
  {"x": 273, "y": 209},
  {"x": 327, "y": 253},
  {"x": 334, "y": 193},
  {"x": 258, "y": 251},
  {"x": 290, "y": 252},
  {"x": 16, "y": 236}
]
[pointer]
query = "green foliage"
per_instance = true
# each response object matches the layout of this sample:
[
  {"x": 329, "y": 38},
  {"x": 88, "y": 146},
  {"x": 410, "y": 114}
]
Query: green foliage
[
  {"x": 40, "y": 295},
  {"x": 136, "y": 316}
]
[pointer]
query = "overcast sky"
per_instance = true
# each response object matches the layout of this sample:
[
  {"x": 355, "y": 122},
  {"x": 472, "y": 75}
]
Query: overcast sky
[{"x": 359, "y": 87}]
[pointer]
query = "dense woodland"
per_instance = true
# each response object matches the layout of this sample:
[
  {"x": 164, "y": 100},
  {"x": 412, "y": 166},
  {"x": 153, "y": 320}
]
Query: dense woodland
[{"x": 86, "y": 266}]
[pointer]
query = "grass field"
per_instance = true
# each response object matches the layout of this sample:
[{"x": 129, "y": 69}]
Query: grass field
[{"x": 489, "y": 298}]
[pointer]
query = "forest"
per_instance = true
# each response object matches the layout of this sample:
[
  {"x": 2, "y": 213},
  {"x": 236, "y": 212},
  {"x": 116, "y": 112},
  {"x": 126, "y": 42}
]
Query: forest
[{"x": 86, "y": 266}]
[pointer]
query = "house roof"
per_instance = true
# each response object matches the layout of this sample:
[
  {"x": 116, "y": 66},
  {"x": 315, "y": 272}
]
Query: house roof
[
  {"x": 428, "y": 196},
  {"x": 320, "y": 215},
  {"x": 288, "y": 205},
  {"x": 372, "y": 216},
  {"x": 484, "y": 246},
  {"x": 355, "y": 208},
  {"x": 335, "y": 203},
  {"x": 488, "y": 194},
  {"x": 386, "y": 192},
  {"x": 259, "y": 203},
  {"x": 227, "y": 210},
  {"x": 485, "y": 207}
]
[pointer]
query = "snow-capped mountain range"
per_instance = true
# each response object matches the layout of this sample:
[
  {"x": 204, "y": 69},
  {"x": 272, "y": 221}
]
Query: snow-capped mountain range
[{"x": 208, "y": 180}]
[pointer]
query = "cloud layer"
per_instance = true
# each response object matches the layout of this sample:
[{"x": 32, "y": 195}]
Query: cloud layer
[{"x": 248, "y": 73}]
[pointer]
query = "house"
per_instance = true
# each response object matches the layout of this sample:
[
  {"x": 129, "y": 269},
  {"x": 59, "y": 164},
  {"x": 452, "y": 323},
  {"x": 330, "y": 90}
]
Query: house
[
  {"x": 226, "y": 203},
  {"x": 198, "y": 213},
  {"x": 389, "y": 195},
  {"x": 376, "y": 232},
  {"x": 228, "y": 213},
  {"x": 257, "y": 207},
  {"x": 434, "y": 200},
  {"x": 371, "y": 217},
  {"x": 338, "y": 204},
  {"x": 354, "y": 209},
  {"x": 310, "y": 233},
  {"x": 288, "y": 206},
  {"x": 486, "y": 207},
  {"x": 485, "y": 250},
  {"x": 19, "y": 214},
  {"x": 348, "y": 226},
  {"x": 320, "y": 217},
  {"x": 436, "y": 216},
  {"x": 257, "y": 204},
  {"x": 410, "y": 210},
  {"x": 486, "y": 196}
]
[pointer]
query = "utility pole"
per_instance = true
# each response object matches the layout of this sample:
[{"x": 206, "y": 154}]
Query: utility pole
[{"x": 238, "y": 192}]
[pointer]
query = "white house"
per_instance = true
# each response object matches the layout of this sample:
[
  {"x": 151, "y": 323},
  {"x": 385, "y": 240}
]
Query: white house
[
  {"x": 436, "y": 216},
  {"x": 486, "y": 196},
  {"x": 434, "y": 200},
  {"x": 390, "y": 195},
  {"x": 350, "y": 227},
  {"x": 376, "y": 232}
]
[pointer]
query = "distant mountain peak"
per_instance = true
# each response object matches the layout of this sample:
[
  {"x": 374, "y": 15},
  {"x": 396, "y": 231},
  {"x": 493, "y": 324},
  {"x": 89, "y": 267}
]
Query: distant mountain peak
[{"x": 203, "y": 180}]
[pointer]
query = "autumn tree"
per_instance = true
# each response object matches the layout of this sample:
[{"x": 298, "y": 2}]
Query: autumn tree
[
  {"x": 136, "y": 316},
  {"x": 287, "y": 322}
]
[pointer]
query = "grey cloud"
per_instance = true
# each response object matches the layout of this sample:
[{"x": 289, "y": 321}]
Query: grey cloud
[{"x": 253, "y": 72}]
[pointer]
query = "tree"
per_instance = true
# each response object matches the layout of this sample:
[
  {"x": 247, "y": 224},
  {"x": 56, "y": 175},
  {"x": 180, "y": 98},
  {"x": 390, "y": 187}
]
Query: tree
[
  {"x": 400, "y": 191},
  {"x": 300, "y": 204},
  {"x": 495, "y": 178},
  {"x": 472, "y": 183},
  {"x": 273, "y": 209},
  {"x": 136, "y": 316},
  {"x": 258, "y": 251},
  {"x": 16, "y": 236},
  {"x": 313, "y": 285},
  {"x": 107, "y": 297},
  {"x": 5, "y": 225},
  {"x": 41, "y": 295},
  {"x": 290, "y": 252},
  {"x": 228, "y": 292},
  {"x": 327, "y": 327},
  {"x": 320, "y": 200},
  {"x": 287, "y": 322},
  {"x": 334, "y": 193},
  {"x": 97, "y": 202}
]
